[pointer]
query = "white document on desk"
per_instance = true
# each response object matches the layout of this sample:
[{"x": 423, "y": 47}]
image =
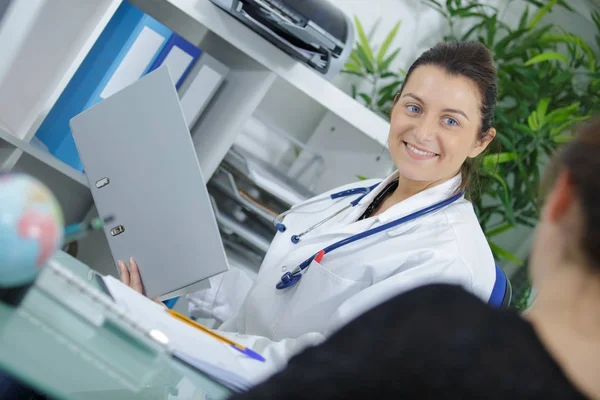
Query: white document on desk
[{"x": 187, "y": 343}]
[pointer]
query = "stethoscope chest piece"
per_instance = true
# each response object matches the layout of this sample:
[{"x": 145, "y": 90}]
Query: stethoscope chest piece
[{"x": 288, "y": 279}]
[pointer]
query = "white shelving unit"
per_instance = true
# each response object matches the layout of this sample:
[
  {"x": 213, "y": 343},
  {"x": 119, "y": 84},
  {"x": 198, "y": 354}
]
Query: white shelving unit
[
  {"x": 260, "y": 76},
  {"x": 52, "y": 45},
  {"x": 186, "y": 15}
]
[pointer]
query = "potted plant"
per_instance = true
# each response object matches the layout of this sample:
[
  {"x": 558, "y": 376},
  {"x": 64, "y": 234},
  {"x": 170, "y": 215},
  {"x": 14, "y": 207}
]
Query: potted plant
[{"x": 549, "y": 79}]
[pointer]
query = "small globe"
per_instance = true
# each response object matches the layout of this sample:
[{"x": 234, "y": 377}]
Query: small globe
[{"x": 31, "y": 228}]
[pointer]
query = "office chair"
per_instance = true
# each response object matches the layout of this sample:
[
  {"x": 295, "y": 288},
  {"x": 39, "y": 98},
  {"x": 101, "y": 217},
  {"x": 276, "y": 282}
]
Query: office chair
[{"x": 502, "y": 291}]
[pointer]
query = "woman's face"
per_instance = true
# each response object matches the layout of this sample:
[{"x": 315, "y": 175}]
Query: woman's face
[{"x": 435, "y": 124}]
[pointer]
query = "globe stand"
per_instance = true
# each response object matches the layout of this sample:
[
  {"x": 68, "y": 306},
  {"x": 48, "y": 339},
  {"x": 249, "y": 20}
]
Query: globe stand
[{"x": 14, "y": 295}]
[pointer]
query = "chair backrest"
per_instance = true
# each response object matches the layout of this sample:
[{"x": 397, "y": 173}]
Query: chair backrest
[{"x": 502, "y": 291}]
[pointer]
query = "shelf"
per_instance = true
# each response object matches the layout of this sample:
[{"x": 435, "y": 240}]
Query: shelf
[
  {"x": 68, "y": 185},
  {"x": 182, "y": 13},
  {"x": 243, "y": 89},
  {"x": 27, "y": 91},
  {"x": 6, "y": 140}
]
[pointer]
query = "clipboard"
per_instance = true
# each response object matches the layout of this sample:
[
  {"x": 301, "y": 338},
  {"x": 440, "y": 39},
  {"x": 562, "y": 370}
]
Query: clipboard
[{"x": 143, "y": 170}]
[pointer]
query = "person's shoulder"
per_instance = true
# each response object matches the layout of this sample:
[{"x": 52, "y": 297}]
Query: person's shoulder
[
  {"x": 472, "y": 247},
  {"x": 438, "y": 296}
]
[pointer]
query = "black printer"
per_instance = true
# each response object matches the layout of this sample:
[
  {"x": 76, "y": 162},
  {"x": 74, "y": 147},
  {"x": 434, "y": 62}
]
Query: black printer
[{"x": 312, "y": 31}]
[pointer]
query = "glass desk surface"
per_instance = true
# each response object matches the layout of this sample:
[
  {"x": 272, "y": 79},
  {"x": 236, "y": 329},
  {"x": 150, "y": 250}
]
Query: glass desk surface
[{"x": 55, "y": 342}]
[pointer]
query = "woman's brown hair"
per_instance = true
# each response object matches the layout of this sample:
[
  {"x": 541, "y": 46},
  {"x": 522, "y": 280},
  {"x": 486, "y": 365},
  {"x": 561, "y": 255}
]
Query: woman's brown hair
[{"x": 581, "y": 158}]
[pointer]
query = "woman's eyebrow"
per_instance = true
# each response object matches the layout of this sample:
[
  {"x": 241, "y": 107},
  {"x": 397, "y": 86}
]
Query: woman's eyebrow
[{"x": 451, "y": 110}]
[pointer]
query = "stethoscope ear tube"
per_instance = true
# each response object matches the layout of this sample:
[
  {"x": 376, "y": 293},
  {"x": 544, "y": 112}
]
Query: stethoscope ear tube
[{"x": 280, "y": 226}]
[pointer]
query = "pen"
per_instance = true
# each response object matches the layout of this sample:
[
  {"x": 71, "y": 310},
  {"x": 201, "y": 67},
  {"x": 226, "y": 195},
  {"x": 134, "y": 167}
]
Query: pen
[{"x": 242, "y": 349}]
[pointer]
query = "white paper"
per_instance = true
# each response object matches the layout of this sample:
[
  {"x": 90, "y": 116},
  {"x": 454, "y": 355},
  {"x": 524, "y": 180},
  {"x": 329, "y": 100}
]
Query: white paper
[
  {"x": 135, "y": 62},
  {"x": 177, "y": 60},
  {"x": 210, "y": 355},
  {"x": 198, "y": 93}
]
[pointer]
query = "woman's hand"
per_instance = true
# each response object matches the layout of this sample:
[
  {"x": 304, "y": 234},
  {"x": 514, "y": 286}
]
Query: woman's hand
[{"x": 131, "y": 276}]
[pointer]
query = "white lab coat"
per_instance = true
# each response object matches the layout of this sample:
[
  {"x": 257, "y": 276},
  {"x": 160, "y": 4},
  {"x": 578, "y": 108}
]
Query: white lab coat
[{"x": 446, "y": 246}]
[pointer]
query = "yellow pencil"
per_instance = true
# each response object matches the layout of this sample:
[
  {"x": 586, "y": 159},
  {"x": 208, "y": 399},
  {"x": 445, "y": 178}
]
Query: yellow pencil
[{"x": 215, "y": 335}]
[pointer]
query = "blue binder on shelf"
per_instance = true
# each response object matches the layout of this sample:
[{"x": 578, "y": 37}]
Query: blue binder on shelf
[
  {"x": 132, "y": 44},
  {"x": 179, "y": 55}
]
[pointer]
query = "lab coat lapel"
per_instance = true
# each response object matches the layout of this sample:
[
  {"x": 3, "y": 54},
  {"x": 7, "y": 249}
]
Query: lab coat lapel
[
  {"x": 349, "y": 225},
  {"x": 360, "y": 208},
  {"x": 421, "y": 200}
]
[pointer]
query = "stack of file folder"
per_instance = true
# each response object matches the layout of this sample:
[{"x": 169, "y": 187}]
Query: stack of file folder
[{"x": 132, "y": 45}]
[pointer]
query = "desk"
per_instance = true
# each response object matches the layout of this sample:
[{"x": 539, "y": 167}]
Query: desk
[{"x": 47, "y": 343}]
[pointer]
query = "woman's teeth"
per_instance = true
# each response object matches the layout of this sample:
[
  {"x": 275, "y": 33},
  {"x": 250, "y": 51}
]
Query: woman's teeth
[{"x": 419, "y": 152}]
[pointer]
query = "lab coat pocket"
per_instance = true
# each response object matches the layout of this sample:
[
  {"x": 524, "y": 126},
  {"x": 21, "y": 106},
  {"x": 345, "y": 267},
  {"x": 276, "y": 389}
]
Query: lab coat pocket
[{"x": 310, "y": 304}]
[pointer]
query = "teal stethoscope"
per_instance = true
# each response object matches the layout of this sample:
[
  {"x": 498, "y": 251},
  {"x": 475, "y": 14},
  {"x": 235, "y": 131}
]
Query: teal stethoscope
[{"x": 289, "y": 279}]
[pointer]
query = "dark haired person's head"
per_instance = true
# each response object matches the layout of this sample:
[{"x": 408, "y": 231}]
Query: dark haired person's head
[
  {"x": 443, "y": 116},
  {"x": 569, "y": 230}
]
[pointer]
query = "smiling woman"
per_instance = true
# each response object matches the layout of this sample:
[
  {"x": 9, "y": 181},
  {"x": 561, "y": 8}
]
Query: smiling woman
[
  {"x": 442, "y": 117},
  {"x": 441, "y": 120},
  {"x": 365, "y": 242}
]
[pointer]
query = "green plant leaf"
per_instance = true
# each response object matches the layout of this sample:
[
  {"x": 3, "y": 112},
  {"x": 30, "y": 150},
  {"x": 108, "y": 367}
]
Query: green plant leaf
[
  {"x": 572, "y": 120},
  {"x": 364, "y": 58},
  {"x": 566, "y": 5},
  {"x": 527, "y": 73},
  {"x": 500, "y": 47},
  {"x": 353, "y": 68},
  {"x": 575, "y": 40},
  {"x": 354, "y": 92},
  {"x": 366, "y": 98},
  {"x": 541, "y": 13},
  {"x": 562, "y": 77},
  {"x": 536, "y": 3},
  {"x": 504, "y": 254},
  {"x": 498, "y": 230},
  {"x": 390, "y": 90},
  {"x": 562, "y": 113},
  {"x": 364, "y": 41},
  {"x": 381, "y": 103},
  {"x": 542, "y": 107},
  {"x": 435, "y": 6},
  {"x": 491, "y": 31},
  {"x": 386, "y": 43},
  {"x": 351, "y": 63},
  {"x": 361, "y": 178},
  {"x": 524, "y": 17},
  {"x": 505, "y": 141},
  {"x": 523, "y": 129},
  {"x": 349, "y": 72},
  {"x": 473, "y": 29},
  {"x": 465, "y": 12},
  {"x": 532, "y": 121},
  {"x": 505, "y": 198},
  {"x": 490, "y": 161},
  {"x": 563, "y": 139},
  {"x": 389, "y": 75},
  {"x": 549, "y": 56},
  {"x": 385, "y": 64},
  {"x": 354, "y": 58}
]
